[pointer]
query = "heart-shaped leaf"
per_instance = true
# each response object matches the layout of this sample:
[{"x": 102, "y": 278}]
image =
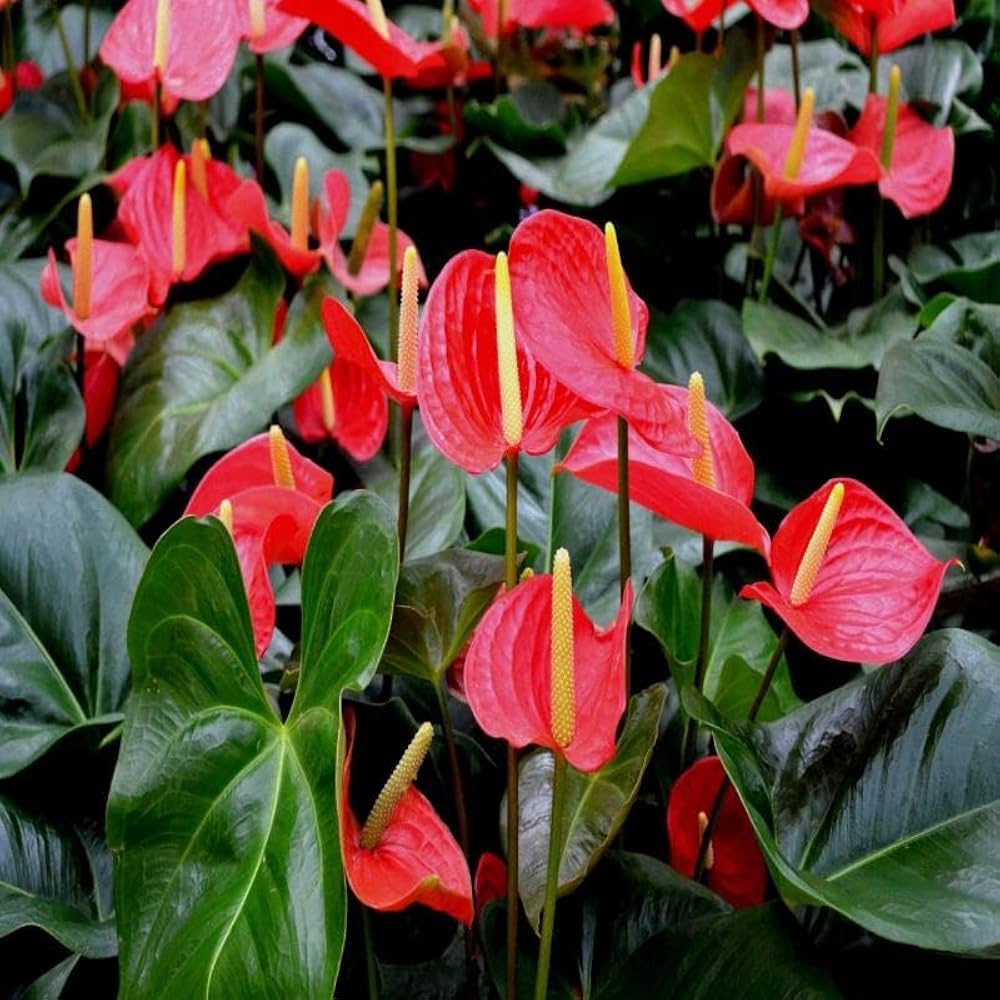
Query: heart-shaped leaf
[
  {"x": 223, "y": 818},
  {"x": 206, "y": 378},
  {"x": 595, "y": 805},
  {"x": 69, "y": 564},
  {"x": 881, "y": 800}
]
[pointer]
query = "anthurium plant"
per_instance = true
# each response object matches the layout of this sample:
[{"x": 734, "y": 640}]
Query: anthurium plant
[{"x": 499, "y": 499}]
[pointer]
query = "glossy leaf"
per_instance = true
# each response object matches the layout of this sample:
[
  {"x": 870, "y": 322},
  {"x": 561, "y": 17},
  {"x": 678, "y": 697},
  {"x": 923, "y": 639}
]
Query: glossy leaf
[
  {"x": 207, "y": 378},
  {"x": 69, "y": 564},
  {"x": 49, "y": 985},
  {"x": 596, "y": 804},
  {"x": 223, "y": 818},
  {"x": 530, "y": 119},
  {"x": 439, "y": 601},
  {"x": 881, "y": 800},
  {"x": 838, "y": 76},
  {"x": 46, "y": 881}
]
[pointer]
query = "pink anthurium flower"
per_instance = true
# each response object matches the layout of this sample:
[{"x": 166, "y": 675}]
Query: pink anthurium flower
[
  {"x": 583, "y": 15},
  {"x": 892, "y": 22},
  {"x": 189, "y": 45},
  {"x": 581, "y": 321},
  {"x": 100, "y": 386},
  {"x": 270, "y": 497},
  {"x": 476, "y": 408},
  {"x": 700, "y": 15},
  {"x": 265, "y": 28},
  {"x": 522, "y": 689},
  {"x": 403, "y": 853},
  {"x": 922, "y": 156},
  {"x": 733, "y": 863},
  {"x": 850, "y": 579},
  {"x": 709, "y": 494}
]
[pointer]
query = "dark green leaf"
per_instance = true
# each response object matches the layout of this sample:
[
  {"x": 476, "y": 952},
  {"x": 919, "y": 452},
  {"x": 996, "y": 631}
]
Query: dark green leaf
[
  {"x": 530, "y": 119},
  {"x": 935, "y": 74},
  {"x": 49, "y": 985},
  {"x": 838, "y": 76},
  {"x": 69, "y": 564},
  {"x": 970, "y": 265},
  {"x": 881, "y": 800},
  {"x": 206, "y": 378},
  {"x": 41, "y": 39},
  {"x": 595, "y": 806}
]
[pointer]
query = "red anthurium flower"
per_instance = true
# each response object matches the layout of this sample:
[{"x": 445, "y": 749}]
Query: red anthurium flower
[
  {"x": 779, "y": 106},
  {"x": 100, "y": 385},
  {"x": 709, "y": 494},
  {"x": 850, "y": 579},
  {"x": 265, "y": 28},
  {"x": 895, "y": 22},
  {"x": 270, "y": 496},
  {"x": 784, "y": 14},
  {"x": 373, "y": 275},
  {"x": 150, "y": 216},
  {"x": 189, "y": 45},
  {"x": 491, "y": 880},
  {"x": 581, "y": 320},
  {"x": 734, "y": 865},
  {"x": 404, "y": 853},
  {"x": 923, "y": 157},
  {"x": 27, "y": 76},
  {"x": 523, "y": 687},
  {"x": 698, "y": 15},
  {"x": 475, "y": 408},
  {"x": 446, "y": 63},
  {"x": 579, "y": 14}
]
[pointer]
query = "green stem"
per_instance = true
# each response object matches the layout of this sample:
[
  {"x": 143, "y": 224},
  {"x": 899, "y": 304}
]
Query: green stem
[
  {"x": 258, "y": 134},
  {"x": 154, "y": 127},
  {"x": 772, "y": 253},
  {"x": 86, "y": 32},
  {"x": 74, "y": 77},
  {"x": 405, "y": 461},
  {"x": 761, "y": 54},
  {"x": 624, "y": 529},
  {"x": 551, "y": 876},
  {"x": 878, "y": 248},
  {"x": 80, "y": 373},
  {"x": 10, "y": 47},
  {"x": 707, "y": 562},
  {"x": 392, "y": 194},
  {"x": 873, "y": 58},
  {"x": 371, "y": 963},
  {"x": 793, "y": 39},
  {"x": 513, "y": 817},
  {"x": 753, "y": 252}
]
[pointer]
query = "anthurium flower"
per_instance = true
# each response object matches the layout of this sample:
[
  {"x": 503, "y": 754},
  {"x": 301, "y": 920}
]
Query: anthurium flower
[
  {"x": 894, "y": 22},
  {"x": 581, "y": 321},
  {"x": 404, "y": 853},
  {"x": 447, "y": 62},
  {"x": 734, "y": 865},
  {"x": 372, "y": 274},
  {"x": 850, "y": 579},
  {"x": 491, "y": 880},
  {"x": 921, "y": 157},
  {"x": 270, "y": 497},
  {"x": 188, "y": 45},
  {"x": 265, "y": 28},
  {"x": 110, "y": 283},
  {"x": 699, "y": 16},
  {"x": 100, "y": 385},
  {"x": 539, "y": 671},
  {"x": 160, "y": 209},
  {"x": 583, "y": 15},
  {"x": 481, "y": 393},
  {"x": 27, "y": 76},
  {"x": 655, "y": 67},
  {"x": 710, "y": 493}
]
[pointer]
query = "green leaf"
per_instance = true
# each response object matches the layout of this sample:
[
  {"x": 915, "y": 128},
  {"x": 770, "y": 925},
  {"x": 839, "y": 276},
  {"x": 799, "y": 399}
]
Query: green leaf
[
  {"x": 223, "y": 818},
  {"x": 941, "y": 382},
  {"x": 493, "y": 923},
  {"x": 706, "y": 336},
  {"x": 935, "y": 73},
  {"x": 881, "y": 800},
  {"x": 69, "y": 564},
  {"x": 49, "y": 985},
  {"x": 46, "y": 881},
  {"x": 970, "y": 265},
  {"x": 973, "y": 325},
  {"x": 41, "y": 41},
  {"x": 595, "y": 805},
  {"x": 42, "y": 135},
  {"x": 690, "y": 110},
  {"x": 529, "y": 119},
  {"x": 838, "y": 76},
  {"x": 439, "y": 602},
  {"x": 749, "y": 953},
  {"x": 206, "y": 378},
  {"x": 740, "y": 641}
]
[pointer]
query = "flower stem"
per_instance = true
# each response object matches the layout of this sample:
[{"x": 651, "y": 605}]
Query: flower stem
[
  {"x": 765, "y": 681},
  {"x": 753, "y": 251},
  {"x": 551, "y": 876},
  {"x": 86, "y": 31},
  {"x": 10, "y": 47},
  {"x": 772, "y": 253},
  {"x": 624, "y": 529},
  {"x": 154, "y": 128},
  {"x": 371, "y": 963},
  {"x": 707, "y": 561},
  {"x": 258, "y": 134},
  {"x": 513, "y": 818},
  {"x": 878, "y": 248},
  {"x": 793, "y": 41},
  {"x": 873, "y": 58},
  {"x": 392, "y": 196},
  {"x": 405, "y": 462},
  {"x": 74, "y": 77}
]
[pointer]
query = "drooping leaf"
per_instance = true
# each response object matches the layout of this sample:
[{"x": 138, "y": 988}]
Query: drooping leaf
[
  {"x": 46, "y": 881},
  {"x": 970, "y": 265},
  {"x": 223, "y": 818},
  {"x": 49, "y": 985},
  {"x": 595, "y": 805},
  {"x": 881, "y": 800},
  {"x": 69, "y": 564},
  {"x": 206, "y": 378}
]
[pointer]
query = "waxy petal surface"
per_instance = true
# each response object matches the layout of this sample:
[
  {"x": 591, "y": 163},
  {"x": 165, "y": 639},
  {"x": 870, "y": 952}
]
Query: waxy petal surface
[
  {"x": 923, "y": 157},
  {"x": 897, "y": 21},
  {"x": 579, "y": 14},
  {"x": 280, "y": 29},
  {"x": 697, "y": 16},
  {"x": 508, "y": 674},
  {"x": 877, "y": 585},
  {"x": 738, "y": 873},
  {"x": 785, "y": 14}
]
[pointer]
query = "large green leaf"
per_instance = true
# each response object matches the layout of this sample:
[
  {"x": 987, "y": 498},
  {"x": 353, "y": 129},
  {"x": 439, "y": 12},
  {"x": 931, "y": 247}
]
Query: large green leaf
[
  {"x": 206, "y": 378},
  {"x": 740, "y": 641},
  {"x": 881, "y": 800},
  {"x": 529, "y": 119},
  {"x": 838, "y": 76},
  {"x": 595, "y": 804},
  {"x": 224, "y": 819},
  {"x": 755, "y": 953},
  {"x": 47, "y": 881},
  {"x": 690, "y": 110},
  {"x": 41, "y": 38},
  {"x": 49, "y": 985},
  {"x": 69, "y": 564},
  {"x": 439, "y": 601},
  {"x": 970, "y": 265}
]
